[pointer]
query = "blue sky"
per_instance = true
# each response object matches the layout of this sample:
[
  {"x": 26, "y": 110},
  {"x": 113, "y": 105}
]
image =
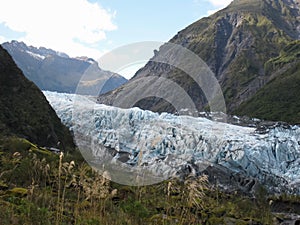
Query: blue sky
[
  {"x": 94, "y": 27},
  {"x": 157, "y": 20}
]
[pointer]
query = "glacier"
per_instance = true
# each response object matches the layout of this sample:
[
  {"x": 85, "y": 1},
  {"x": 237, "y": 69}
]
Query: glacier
[{"x": 139, "y": 147}]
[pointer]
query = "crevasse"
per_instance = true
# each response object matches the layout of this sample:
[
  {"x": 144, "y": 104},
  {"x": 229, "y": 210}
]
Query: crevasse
[{"x": 165, "y": 143}]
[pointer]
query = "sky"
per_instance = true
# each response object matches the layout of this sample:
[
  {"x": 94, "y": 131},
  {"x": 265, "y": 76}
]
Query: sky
[{"x": 94, "y": 27}]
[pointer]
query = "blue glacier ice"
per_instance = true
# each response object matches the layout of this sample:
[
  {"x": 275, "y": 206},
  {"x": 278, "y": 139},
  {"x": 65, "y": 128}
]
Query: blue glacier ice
[{"x": 156, "y": 146}]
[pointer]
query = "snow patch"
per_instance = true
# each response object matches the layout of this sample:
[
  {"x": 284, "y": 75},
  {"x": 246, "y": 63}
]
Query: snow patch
[{"x": 36, "y": 56}]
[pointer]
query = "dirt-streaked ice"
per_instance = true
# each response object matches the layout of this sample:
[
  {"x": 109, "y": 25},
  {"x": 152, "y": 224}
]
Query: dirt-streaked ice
[{"x": 165, "y": 143}]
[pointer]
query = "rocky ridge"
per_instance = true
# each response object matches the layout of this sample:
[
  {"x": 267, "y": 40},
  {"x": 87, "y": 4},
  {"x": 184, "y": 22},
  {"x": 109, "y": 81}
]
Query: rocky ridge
[{"x": 56, "y": 71}]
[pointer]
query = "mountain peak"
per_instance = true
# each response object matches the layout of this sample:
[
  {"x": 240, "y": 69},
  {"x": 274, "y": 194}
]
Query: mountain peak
[
  {"x": 237, "y": 43},
  {"x": 86, "y": 59},
  {"x": 285, "y": 14},
  {"x": 41, "y": 51},
  {"x": 55, "y": 71}
]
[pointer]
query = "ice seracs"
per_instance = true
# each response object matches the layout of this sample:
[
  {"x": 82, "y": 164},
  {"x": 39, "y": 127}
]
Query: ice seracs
[{"x": 165, "y": 143}]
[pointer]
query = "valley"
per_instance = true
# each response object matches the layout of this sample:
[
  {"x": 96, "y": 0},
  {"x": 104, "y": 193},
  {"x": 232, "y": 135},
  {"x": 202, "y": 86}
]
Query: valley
[{"x": 207, "y": 132}]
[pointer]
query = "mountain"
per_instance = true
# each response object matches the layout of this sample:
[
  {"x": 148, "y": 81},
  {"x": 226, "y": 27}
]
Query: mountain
[
  {"x": 56, "y": 71},
  {"x": 25, "y": 112},
  {"x": 238, "y": 43},
  {"x": 278, "y": 100}
]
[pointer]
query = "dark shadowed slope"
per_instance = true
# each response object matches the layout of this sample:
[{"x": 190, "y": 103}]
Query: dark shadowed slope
[{"x": 25, "y": 112}]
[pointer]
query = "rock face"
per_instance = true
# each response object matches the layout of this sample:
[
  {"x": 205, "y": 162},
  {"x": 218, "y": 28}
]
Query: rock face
[
  {"x": 56, "y": 71},
  {"x": 168, "y": 145},
  {"x": 278, "y": 100},
  {"x": 240, "y": 44},
  {"x": 25, "y": 111}
]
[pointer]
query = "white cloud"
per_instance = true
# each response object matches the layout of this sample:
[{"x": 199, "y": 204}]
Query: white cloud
[
  {"x": 71, "y": 26},
  {"x": 210, "y": 12},
  {"x": 2, "y": 39},
  {"x": 220, "y": 3},
  {"x": 215, "y": 5}
]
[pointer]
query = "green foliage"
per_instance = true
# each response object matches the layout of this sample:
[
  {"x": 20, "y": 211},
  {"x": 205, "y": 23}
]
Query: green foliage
[
  {"x": 18, "y": 192},
  {"x": 288, "y": 55},
  {"x": 278, "y": 100},
  {"x": 48, "y": 189},
  {"x": 135, "y": 208}
]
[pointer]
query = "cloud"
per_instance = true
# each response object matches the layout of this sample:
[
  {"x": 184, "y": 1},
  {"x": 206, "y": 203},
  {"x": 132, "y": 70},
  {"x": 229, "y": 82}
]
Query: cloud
[
  {"x": 2, "y": 39},
  {"x": 72, "y": 26},
  {"x": 210, "y": 12},
  {"x": 220, "y": 3},
  {"x": 214, "y": 5}
]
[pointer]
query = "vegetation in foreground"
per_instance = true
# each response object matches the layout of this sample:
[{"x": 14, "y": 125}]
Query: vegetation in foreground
[{"x": 39, "y": 187}]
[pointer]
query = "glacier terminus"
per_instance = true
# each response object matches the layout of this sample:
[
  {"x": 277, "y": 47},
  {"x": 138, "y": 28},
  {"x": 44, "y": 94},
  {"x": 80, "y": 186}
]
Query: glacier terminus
[{"x": 141, "y": 147}]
